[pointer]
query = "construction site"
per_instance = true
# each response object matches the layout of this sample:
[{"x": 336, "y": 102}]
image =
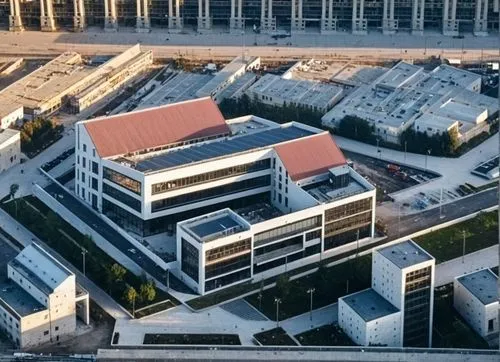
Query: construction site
[
  {"x": 69, "y": 81},
  {"x": 451, "y": 17}
]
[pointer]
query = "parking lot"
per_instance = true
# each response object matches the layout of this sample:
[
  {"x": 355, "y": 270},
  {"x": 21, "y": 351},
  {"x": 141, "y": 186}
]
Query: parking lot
[{"x": 387, "y": 177}]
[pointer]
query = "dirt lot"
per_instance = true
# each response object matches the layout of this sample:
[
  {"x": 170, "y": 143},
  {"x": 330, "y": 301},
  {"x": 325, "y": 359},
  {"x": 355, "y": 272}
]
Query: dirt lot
[
  {"x": 26, "y": 68},
  {"x": 99, "y": 337},
  {"x": 376, "y": 172}
]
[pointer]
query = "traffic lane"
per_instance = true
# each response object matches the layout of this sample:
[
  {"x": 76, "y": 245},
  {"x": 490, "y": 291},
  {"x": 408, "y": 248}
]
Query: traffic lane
[
  {"x": 112, "y": 236},
  {"x": 413, "y": 223}
]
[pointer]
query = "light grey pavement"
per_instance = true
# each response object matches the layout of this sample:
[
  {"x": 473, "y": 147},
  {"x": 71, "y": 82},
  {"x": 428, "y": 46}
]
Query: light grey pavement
[
  {"x": 447, "y": 271},
  {"x": 303, "y": 323},
  {"x": 25, "y": 237},
  {"x": 222, "y": 44}
]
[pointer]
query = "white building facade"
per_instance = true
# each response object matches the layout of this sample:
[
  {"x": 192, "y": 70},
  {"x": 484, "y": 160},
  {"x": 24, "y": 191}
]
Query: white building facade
[
  {"x": 286, "y": 188},
  {"x": 397, "y": 311},
  {"x": 475, "y": 297},
  {"x": 39, "y": 301},
  {"x": 10, "y": 148}
]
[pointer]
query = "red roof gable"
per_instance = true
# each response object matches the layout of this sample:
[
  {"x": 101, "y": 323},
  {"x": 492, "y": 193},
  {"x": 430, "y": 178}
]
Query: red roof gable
[
  {"x": 310, "y": 156},
  {"x": 156, "y": 127}
]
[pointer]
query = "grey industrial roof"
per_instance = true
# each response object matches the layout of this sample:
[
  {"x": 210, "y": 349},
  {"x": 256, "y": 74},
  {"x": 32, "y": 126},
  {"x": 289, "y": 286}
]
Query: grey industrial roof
[
  {"x": 32, "y": 277},
  {"x": 482, "y": 284},
  {"x": 18, "y": 300},
  {"x": 216, "y": 149},
  {"x": 405, "y": 254},
  {"x": 214, "y": 226},
  {"x": 369, "y": 305}
]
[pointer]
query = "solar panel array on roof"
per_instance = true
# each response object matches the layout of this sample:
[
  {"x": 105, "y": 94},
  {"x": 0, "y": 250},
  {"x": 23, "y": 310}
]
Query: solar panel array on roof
[{"x": 216, "y": 149}]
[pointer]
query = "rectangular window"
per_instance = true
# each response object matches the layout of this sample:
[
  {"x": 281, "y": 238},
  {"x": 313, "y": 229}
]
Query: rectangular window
[
  {"x": 227, "y": 265},
  {"x": 279, "y": 196},
  {"x": 121, "y": 196},
  {"x": 84, "y": 162},
  {"x": 162, "y": 187},
  {"x": 93, "y": 152},
  {"x": 122, "y": 180},
  {"x": 348, "y": 209},
  {"x": 210, "y": 193},
  {"x": 45, "y": 333},
  {"x": 83, "y": 192},
  {"x": 84, "y": 147},
  {"x": 94, "y": 183},
  {"x": 56, "y": 328},
  {"x": 189, "y": 260},
  {"x": 83, "y": 177},
  {"x": 225, "y": 251},
  {"x": 286, "y": 201},
  {"x": 95, "y": 168}
]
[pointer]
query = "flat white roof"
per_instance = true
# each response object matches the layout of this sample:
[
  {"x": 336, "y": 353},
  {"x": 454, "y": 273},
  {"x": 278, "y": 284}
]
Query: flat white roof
[
  {"x": 7, "y": 134},
  {"x": 483, "y": 284}
]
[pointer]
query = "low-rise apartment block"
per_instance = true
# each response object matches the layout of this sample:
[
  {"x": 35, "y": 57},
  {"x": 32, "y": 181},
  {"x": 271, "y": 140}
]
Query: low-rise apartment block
[
  {"x": 475, "y": 297},
  {"x": 232, "y": 199},
  {"x": 39, "y": 300}
]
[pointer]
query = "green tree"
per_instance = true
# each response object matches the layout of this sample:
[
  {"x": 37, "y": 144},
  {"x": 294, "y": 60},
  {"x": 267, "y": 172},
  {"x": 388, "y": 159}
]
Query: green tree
[
  {"x": 356, "y": 128},
  {"x": 12, "y": 192},
  {"x": 147, "y": 291},
  {"x": 118, "y": 272},
  {"x": 53, "y": 223},
  {"x": 130, "y": 296},
  {"x": 283, "y": 285}
]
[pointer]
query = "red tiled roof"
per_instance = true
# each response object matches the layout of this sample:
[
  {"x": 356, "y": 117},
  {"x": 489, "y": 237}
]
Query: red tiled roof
[
  {"x": 156, "y": 127},
  {"x": 310, "y": 156}
]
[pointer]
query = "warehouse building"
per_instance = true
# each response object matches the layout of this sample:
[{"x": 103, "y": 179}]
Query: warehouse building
[
  {"x": 278, "y": 91},
  {"x": 40, "y": 299},
  {"x": 10, "y": 148},
  {"x": 66, "y": 80},
  {"x": 398, "y": 310},
  {"x": 406, "y": 96},
  {"x": 245, "y": 198},
  {"x": 327, "y": 16},
  {"x": 475, "y": 297}
]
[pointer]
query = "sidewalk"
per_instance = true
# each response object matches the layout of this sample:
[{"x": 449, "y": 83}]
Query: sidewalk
[
  {"x": 25, "y": 237},
  {"x": 447, "y": 271},
  {"x": 302, "y": 323}
]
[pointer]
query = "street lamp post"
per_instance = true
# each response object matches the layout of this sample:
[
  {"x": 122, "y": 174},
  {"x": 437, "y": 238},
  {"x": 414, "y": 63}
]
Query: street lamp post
[
  {"x": 463, "y": 246},
  {"x": 83, "y": 260},
  {"x": 311, "y": 291},
  {"x": 277, "y": 301},
  {"x": 441, "y": 204},
  {"x": 259, "y": 297},
  {"x": 427, "y": 154},
  {"x": 405, "y": 151}
]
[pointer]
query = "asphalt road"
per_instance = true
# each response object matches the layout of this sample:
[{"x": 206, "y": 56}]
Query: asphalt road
[
  {"x": 112, "y": 236},
  {"x": 410, "y": 224}
]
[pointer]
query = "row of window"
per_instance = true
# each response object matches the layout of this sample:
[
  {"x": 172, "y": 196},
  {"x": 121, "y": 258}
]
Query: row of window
[
  {"x": 227, "y": 266},
  {"x": 210, "y": 193},
  {"x": 227, "y": 279},
  {"x": 162, "y": 187},
  {"x": 337, "y": 240},
  {"x": 227, "y": 250},
  {"x": 348, "y": 223},
  {"x": 287, "y": 230},
  {"x": 348, "y": 209},
  {"x": 122, "y": 180},
  {"x": 295, "y": 241},
  {"x": 121, "y": 196}
]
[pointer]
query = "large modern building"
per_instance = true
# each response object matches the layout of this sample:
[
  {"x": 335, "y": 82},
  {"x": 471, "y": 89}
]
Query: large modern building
[
  {"x": 10, "y": 148},
  {"x": 39, "y": 301},
  {"x": 245, "y": 197},
  {"x": 68, "y": 81},
  {"x": 398, "y": 310},
  {"x": 406, "y": 96},
  {"x": 475, "y": 297},
  {"x": 327, "y": 16}
]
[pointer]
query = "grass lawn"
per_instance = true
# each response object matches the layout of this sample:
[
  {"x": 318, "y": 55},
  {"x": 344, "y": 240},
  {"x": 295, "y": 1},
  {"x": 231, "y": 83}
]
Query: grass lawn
[
  {"x": 152, "y": 309},
  {"x": 329, "y": 335},
  {"x": 68, "y": 242},
  {"x": 329, "y": 283},
  {"x": 446, "y": 244},
  {"x": 275, "y": 337},
  {"x": 450, "y": 330},
  {"x": 212, "y": 339}
]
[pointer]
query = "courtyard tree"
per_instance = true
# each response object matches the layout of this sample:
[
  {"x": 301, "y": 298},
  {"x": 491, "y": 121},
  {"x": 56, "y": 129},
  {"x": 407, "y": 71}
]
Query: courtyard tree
[
  {"x": 118, "y": 272},
  {"x": 130, "y": 296},
  {"x": 147, "y": 291}
]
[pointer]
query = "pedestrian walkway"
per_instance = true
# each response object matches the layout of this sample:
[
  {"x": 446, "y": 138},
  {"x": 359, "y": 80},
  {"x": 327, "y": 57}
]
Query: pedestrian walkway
[
  {"x": 25, "y": 237},
  {"x": 241, "y": 308},
  {"x": 447, "y": 271},
  {"x": 304, "y": 322}
]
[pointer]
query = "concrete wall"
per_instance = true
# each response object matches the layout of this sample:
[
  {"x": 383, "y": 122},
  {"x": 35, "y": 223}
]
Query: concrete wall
[
  {"x": 352, "y": 324},
  {"x": 11, "y": 118},
  {"x": 10, "y": 152},
  {"x": 385, "y": 331}
]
